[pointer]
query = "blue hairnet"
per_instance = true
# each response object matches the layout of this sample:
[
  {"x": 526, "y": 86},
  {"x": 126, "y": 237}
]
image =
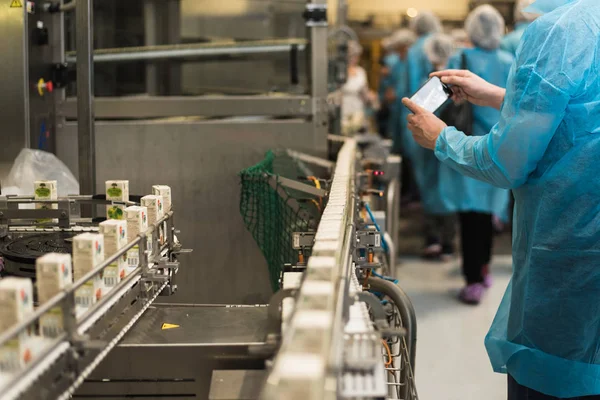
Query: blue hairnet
[
  {"x": 485, "y": 27},
  {"x": 545, "y": 147},
  {"x": 425, "y": 22}
]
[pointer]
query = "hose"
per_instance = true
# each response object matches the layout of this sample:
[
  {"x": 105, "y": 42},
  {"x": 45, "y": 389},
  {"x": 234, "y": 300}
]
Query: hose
[{"x": 406, "y": 309}]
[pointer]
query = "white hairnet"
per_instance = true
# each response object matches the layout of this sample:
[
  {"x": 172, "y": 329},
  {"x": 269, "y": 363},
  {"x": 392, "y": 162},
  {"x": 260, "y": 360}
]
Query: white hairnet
[
  {"x": 439, "y": 48},
  {"x": 521, "y": 16},
  {"x": 485, "y": 27},
  {"x": 425, "y": 22},
  {"x": 402, "y": 37},
  {"x": 354, "y": 48}
]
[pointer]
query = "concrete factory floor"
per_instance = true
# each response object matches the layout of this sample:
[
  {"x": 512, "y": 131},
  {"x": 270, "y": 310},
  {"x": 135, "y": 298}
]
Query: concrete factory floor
[{"x": 452, "y": 363}]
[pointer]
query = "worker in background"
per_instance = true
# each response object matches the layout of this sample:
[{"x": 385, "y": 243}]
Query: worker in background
[
  {"x": 546, "y": 334},
  {"x": 423, "y": 25},
  {"x": 477, "y": 202},
  {"x": 356, "y": 96},
  {"x": 386, "y": 64},
  {"x": 439, "y": 216},
  {"x": 522, "y": 20},
  {"x": 398, "y": 45},
  {"x": 461, "y": 39}
]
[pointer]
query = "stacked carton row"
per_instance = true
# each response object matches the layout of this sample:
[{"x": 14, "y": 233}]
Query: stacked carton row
[{"x": 56, "y": 272}]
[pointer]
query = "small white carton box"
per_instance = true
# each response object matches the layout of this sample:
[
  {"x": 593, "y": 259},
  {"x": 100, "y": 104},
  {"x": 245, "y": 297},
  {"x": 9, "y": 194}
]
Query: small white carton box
[
  {"x": 16, "y": 303},
  {"x": 115, "y": 238},
  {"x": 54, "y": 272},
  {"x": 116, "y": 191},
  {"x": 137, "y": 222},
  {"x": 165, "y": 192},
  {"x": 88, "y": 253},
  {"x": 154, "y": 204},
  {"x": 45, "y": 190}
]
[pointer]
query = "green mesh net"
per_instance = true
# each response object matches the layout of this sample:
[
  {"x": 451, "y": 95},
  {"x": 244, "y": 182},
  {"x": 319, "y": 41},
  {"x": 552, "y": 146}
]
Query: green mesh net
[{"x": 272, "y": 212}]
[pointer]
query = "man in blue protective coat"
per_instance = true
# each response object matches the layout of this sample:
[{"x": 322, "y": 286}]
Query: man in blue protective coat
[
  {"x": 424, "y": 25},
  {"x": 546, "y": 147},
  {"x": 522, "y": 20},
  {"x": 476, "y": 202}
]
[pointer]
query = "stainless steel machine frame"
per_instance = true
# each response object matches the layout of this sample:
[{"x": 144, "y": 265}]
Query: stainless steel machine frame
[{"x": 197, "y": 145}]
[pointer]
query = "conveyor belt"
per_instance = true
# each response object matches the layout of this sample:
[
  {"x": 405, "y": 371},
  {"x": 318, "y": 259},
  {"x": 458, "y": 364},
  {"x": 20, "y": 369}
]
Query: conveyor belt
[{"x": 199, "y": 324}]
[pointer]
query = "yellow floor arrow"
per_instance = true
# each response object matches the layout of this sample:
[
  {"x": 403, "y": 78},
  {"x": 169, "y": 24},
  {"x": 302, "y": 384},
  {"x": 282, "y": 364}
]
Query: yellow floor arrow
[{"x": 169, "y": 326}]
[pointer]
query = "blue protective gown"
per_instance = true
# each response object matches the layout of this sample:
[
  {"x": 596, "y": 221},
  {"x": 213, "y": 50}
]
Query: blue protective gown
[
  {"x": 399, "y": 81},
  {"x": 460, "y": 192},
  {"x": 426, "y": 166},
  {"x": 546, "y": 147},
  {"x": 385, "y": 83},
  {"x": 389, "y": 61},
  {"x": 419, "y": 69},
  {"x": 511, "y": 41}
]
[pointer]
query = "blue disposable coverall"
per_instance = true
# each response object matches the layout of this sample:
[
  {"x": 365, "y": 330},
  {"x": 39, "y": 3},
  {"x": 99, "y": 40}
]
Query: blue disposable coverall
[
  {"x": 460, "y": 192},
  {"x": 511, "y": 41},
  {"x": 546, "y": 147},
  {"x": 399, "y": 80}
]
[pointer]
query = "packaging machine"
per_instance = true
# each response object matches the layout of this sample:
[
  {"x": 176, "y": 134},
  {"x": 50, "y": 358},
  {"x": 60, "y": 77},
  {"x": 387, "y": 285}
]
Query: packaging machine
[
  {"x": 221, "y": 333},
  {"x": 58, "y": 366}
]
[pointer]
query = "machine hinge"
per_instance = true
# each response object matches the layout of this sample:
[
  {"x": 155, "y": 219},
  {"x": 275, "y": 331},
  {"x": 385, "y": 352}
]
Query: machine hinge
[{"x": 315, "y": 15}]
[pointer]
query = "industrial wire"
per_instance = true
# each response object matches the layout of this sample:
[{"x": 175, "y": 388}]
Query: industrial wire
[
  {"x": 317, "y": 183},
  {"x": 390, "y": 360}
]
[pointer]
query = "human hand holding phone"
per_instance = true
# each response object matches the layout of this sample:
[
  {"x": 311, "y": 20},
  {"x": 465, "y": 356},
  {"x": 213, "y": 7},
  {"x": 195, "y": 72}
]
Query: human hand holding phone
[
  {"x": 466, "y": 86},
  {"x": 432, "y": 95}
]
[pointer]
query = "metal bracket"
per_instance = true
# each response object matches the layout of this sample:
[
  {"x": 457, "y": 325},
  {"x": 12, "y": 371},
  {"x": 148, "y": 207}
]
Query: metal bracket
[
  {"x": 290, "y": 268},
  {"x": 302, "y": 187},
  {"x": 291, "y": 202},
  {"x": 368, "y": 239},
  {"x": 303, "y": 240},
  {"x": 166, "y": 264},
  {"x": 315, "y": 15},
  {"x": 320, "y": 162}
]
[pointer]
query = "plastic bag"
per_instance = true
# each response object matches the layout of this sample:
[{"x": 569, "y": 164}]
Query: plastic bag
[{"x": 37, "y": 165}]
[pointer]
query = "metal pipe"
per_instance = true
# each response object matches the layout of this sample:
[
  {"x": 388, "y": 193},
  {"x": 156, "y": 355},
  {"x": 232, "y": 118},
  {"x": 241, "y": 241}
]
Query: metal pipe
[
  {"x": 187, "y": 51},
  {"x": 409, "y": 320},
  {"x": 85, "y": 97},
  {"x": 407, "y": 311}
]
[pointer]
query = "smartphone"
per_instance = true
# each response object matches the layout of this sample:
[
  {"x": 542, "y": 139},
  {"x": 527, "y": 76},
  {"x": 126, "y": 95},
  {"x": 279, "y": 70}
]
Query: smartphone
[{"x": 432, "y": 95}]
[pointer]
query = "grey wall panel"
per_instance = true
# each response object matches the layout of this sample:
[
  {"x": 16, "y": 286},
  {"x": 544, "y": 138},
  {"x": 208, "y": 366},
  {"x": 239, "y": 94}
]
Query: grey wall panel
[
  {"x": 14, "y": 100},
  {"x": 200, "y": 161},
  {"x": 241, "y": 19}
]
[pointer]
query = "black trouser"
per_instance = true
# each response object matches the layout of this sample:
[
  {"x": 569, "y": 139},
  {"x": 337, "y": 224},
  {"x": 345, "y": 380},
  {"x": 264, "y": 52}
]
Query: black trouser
[
  {"x": 440, "y": 229},
  {"x": 518, "y": 392},
  {"x": 476, "y": 234},
  {"x": 409, "y": 184}
]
